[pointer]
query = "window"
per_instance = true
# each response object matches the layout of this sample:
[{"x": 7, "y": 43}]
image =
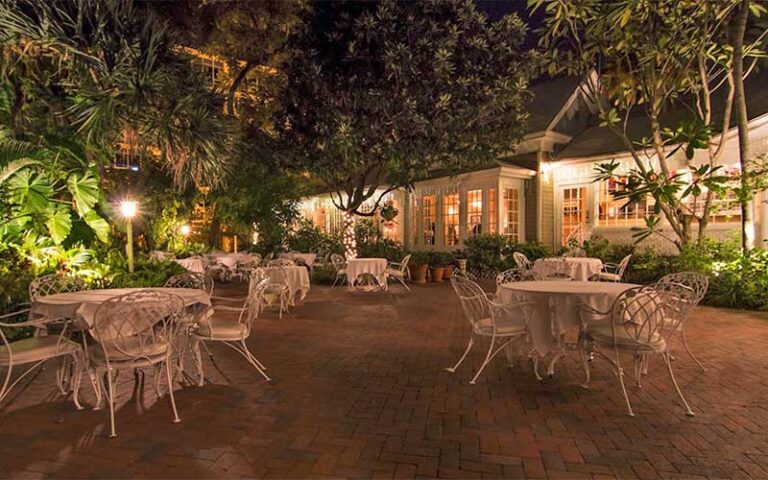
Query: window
[
  {"x": 451, "y": 218},
  {"x": 321, "y": 219},
  {"x": 511, "y": 214},
  {"x": 428, "y": 212},
  {"x": 415, "y": 218},
  {"x": 492, "y": 210},
  {"x": 474, "y": 212},
  {"x": 725, "y": 209},
  {"x": 574, "y": 211},
  {"x": 613, "y": 212}
]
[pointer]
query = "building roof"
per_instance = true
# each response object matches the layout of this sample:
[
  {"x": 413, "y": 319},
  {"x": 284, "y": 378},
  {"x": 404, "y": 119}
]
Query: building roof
[
  {"x": 549, "y": 97},
  {"x": 596, "y": 140}
]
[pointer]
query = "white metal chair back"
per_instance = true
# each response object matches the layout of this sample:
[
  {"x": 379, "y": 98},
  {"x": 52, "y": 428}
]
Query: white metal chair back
[
  {"x": 623, "y": 264},
  {"x": 51, "y": 284},
  {"x": 137, "y": 326},
  {"x": 404, "y": 263},
  {"x": 641, "y": 313},
  {"x": 338, "y": 261},
  {"x": 282, "y": 262},
  {"x": 696, "y": 281},
  {"x": 253, "y": 302},
  {"x": 473, "y": 299},
  {"x": 268, "y": 258},
  {"x": 510, "y": 276},
  {"x": 186, "y": 280},
  {"x": 522, "y": 261}
]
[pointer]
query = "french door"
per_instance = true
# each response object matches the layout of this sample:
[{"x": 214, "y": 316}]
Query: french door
[{"x": 574, "y": 206}]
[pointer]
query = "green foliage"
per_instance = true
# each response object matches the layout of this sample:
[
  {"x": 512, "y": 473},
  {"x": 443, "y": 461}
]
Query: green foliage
[
  {"x": 380, "y": 92},
  {"x": 324, "y": 275},
  {"x": 494, "y": 252},
  {"x": 307, "y": 237},
  {"x": 372, "y": 243}
]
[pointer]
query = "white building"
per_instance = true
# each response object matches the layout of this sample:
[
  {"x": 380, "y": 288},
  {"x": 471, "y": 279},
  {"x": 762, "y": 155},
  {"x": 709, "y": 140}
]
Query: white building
[{"x": 546, "y": 189}]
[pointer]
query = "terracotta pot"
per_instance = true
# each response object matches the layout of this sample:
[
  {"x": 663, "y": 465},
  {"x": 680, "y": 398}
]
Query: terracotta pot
[
  {"x": 437, "y": 273},
  {"x": 418, "y": 273},
  {"x": 448, "y": 272}
]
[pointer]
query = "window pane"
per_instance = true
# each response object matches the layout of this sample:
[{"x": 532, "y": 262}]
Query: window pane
[
  {"x": 613, "y": 212},
  {"x": 511, "y": 214},
  {"x": 474, "y": 212},
  {"x": 429, "y": 215},
  {"x": 492, "y": 210},
  {"x": 451, "y": 218}
]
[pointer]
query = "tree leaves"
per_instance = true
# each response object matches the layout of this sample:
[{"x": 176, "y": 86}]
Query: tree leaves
[
  {"x": 99, "y": 226},
  {"x": 30, "y": 190},
  {"x": 59, "y": 224},
  {"x": 85, "y": 192}
]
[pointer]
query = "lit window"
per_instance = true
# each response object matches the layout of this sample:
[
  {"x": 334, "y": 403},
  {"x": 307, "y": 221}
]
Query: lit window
[
  {"x": 613, "y": 212},
  {"x": 574, "y": 211},
  {"x": 474, "y": 212},
  {"x": 429, "y": 217},
  {"x": 492, "y": 211},
  {"x": 415, "y": 218},
  {"x": 511, "y": 214},
  {"x": 451, "y": 218}
]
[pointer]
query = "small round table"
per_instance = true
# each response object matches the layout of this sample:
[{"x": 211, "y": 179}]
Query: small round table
[{"x": 369, "y": 267}]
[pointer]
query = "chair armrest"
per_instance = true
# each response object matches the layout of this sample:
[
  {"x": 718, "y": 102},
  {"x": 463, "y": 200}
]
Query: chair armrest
[
  {"x": 228, "y": 299},
  {"x": 227, "y": 308},
  {"x": 38, "y": 322},
  {"x": 608, "y": 266}
]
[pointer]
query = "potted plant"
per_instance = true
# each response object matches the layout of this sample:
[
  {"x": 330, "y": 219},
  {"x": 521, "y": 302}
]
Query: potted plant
[
  {"x": 449, "y": 263},
  {"x": 388, "y": 212},
  {"x": 418, "y": 266},
  {"x": 436, "y": 266}
]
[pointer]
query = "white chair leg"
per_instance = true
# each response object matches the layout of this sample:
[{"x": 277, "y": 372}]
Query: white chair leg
[
  {"x": 688, "y": 410},
  {"x": 688, "y": 349},
  {"x": 158, "y": 370},
  {"x": 620, "y": 374},
  {"x": 585, "y": 360},
  {"x": 249, "y": 356},
  {"x": 168, "y": 374},
  {"x": 488, "y": 357},
  {"x": 111, "y": 401},
  {"x": 199, "y": 361},
  {"x": 469, "y": 347},
  {"x": 78, "y": 362}
]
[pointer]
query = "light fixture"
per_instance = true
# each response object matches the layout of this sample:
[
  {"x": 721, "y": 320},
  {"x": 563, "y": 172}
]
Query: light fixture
[
  {"x": 128, "y": 209},
  {"x": 185, "y": 230}
]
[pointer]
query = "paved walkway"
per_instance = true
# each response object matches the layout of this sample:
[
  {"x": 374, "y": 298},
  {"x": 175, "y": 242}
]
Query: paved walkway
[{"x": 360, "y": 391}]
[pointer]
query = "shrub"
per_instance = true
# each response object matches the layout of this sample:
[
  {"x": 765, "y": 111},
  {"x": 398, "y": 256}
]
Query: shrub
[
  {"x": 309, "y": 238},
  {"x": 372, "y": 243},
  {"x": 494, "y": 252}
]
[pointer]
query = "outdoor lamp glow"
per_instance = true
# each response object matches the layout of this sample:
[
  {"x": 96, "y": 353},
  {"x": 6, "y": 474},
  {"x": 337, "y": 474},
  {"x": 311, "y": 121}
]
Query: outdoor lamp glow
[
  {"x": 185, "y": 230},
  {"x": 128, "y": 209}
]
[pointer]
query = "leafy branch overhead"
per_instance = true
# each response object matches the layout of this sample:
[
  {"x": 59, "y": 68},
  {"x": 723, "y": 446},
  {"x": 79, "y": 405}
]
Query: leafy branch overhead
[{"x": 395, "y": 89}]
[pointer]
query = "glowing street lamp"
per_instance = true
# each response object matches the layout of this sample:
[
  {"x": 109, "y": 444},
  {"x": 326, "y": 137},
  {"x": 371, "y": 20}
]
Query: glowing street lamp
[
  {"x": 128, "y": 209},
  {"x": 185, "y": 230}
]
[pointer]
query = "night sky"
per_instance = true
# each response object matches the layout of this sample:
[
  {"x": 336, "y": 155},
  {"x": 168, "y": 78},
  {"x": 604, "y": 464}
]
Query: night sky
[{"x": 496, "y": 9}]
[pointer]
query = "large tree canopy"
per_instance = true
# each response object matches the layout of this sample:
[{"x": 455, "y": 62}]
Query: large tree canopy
[{"x": 380, "y": 93}]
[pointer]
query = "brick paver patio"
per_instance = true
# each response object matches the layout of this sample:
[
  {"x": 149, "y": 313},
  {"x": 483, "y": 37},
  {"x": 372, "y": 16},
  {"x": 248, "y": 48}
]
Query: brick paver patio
[{"x": 360, "y": 391}]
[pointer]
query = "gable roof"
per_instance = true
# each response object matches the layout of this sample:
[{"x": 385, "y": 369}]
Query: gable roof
[
  {"x": 549, "y": 98},
  {"x": 597, "y": 140}
]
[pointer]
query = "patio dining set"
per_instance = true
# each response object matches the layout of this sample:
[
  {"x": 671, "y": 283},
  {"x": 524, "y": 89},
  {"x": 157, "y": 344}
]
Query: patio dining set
[
  {"x": 101, "y": 332},
  {"x": 547, "y": 305}
]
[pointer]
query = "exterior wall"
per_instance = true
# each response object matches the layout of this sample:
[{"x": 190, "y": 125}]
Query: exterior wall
[{"x": 578, "y": 173}]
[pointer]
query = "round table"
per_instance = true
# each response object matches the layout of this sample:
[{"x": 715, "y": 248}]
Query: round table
[
  {"x": 83, "y": 305},
  {"x": 295, "y": 277},
  {"x": 556, "y": 307},
  {"x": 581, "y": 268},
  {"x": 374, "y": 267},
  {"x": 307, "y": 258}
]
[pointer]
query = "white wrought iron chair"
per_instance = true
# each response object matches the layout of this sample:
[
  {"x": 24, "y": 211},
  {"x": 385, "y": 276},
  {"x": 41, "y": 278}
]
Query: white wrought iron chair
[
  {"x": 340, "y": 265},
  {"x": 279, "y": 291},
  {"x": 191, "y": 280},
  {"x": 281, "y": 262},
  {"x": 233, "y": 333},
  {"x": 136, "y": 331},
  {"x": 510, "y": 276},
  {"x": 524, "y": 265},
  {"x": 696, "y": 284},
  {"x": 35, "y": 351},
  {"x": 52, "y": 284},
  {"x": 613, "y": 272},
  {"x": 502, "y": 323},
  {"x": 399, "y": 271},
  {"x": 639, "y": 323}
]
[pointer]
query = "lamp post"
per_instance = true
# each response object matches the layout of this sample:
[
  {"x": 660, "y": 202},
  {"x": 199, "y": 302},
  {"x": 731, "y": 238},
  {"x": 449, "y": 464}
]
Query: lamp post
[{"x": 128, "y": 211}]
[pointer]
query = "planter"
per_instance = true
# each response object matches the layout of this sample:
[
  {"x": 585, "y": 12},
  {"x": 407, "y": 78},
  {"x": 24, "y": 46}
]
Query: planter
[
  {"x": 418, "y": 273},
  {"x": 448, "y": 272},
  {"x": 437, "y": 273}
]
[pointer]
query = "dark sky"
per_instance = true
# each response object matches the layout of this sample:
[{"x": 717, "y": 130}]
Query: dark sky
[{"x": 496, "y": 9}]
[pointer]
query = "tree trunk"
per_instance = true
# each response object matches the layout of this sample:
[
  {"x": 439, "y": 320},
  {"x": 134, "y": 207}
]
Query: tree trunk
[
  {"x": 350, "y": 242},
  {"x": 739, "y": 26}
]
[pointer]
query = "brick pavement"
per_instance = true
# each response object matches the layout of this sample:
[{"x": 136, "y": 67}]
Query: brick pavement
[{"x": 360, "y": 392}]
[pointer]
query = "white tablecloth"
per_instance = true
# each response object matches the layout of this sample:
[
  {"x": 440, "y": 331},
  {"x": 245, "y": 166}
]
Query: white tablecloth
[
  {"x": 556, "y": 308},
  {"x": 192, "y": 264},
  {"x": 307, "y": 258},
  {"x": 83, "y": 305},
  {"x": 583, "y": 268},
  {"x": 373, "y": 266},
  {"x": 295, "y": 277}
]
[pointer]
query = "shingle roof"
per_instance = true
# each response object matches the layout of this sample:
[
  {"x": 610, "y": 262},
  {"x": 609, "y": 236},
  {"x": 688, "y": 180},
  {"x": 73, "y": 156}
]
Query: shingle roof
[
  {"x": 549, "y": 97},
  {"x": 597, "y": 140}
]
